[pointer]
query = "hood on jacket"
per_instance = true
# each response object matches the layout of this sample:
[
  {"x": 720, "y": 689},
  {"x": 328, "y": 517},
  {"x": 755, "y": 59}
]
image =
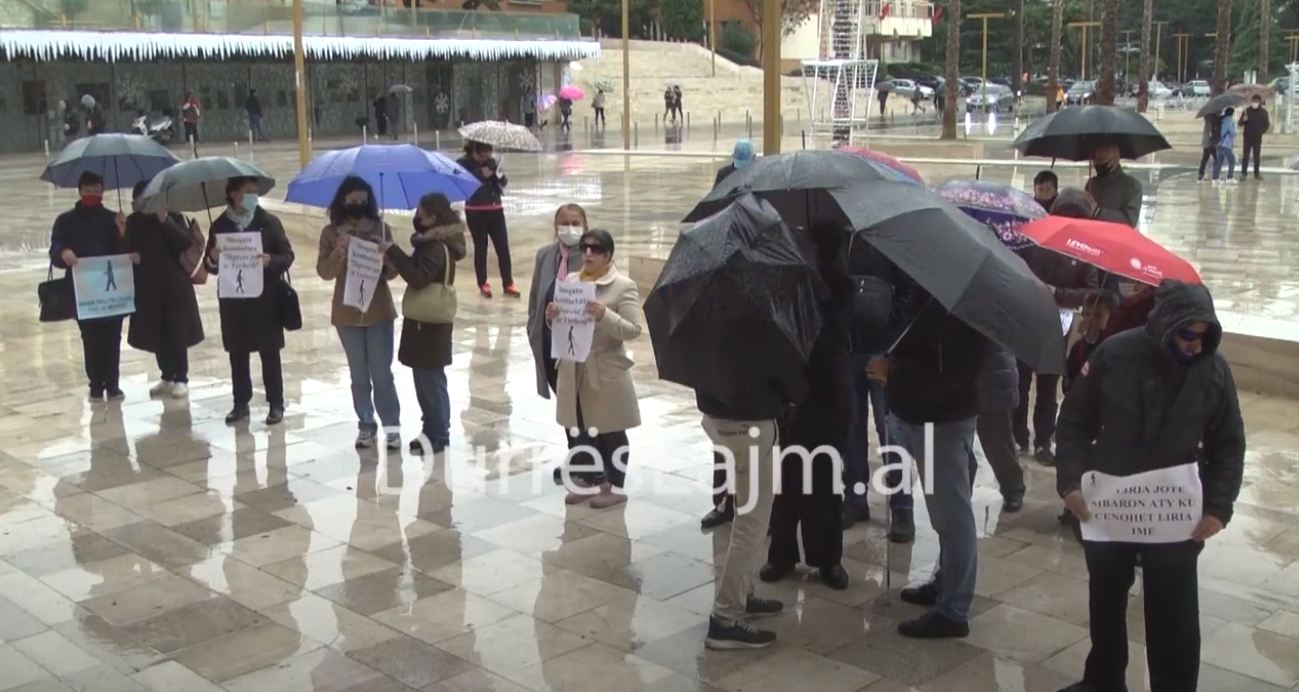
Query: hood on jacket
[
  {"x": 1178, "y": 304},
  {"x": 451, "y": 234}
]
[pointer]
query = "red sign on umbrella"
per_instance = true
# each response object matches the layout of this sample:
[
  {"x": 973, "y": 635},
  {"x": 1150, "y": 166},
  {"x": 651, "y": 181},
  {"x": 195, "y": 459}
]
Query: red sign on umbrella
[{"x": 1111, "y": 247}]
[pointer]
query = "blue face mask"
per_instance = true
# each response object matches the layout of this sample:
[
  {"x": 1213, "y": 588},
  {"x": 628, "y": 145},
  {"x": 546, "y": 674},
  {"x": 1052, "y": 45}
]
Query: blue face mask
[{"x": 249, "y": 202}]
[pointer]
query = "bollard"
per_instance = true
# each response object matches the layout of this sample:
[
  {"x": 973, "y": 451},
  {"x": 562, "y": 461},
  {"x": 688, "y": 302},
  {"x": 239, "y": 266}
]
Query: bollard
[
  {"x": 635, "y": 129},
  {"x": 687, "y": 121},
  {"x": 437, "y": 139},
  {"x": 236, "y": 146},
  {"x": 47, "y": 151},
  {"x": 415, "y": 132},
  {"x": 656, "y": 122},
  {"x": 978, "y": 172},
  {"x": 804, "y": 139},
  {"x": 365, "y": 133},
  {"x": 251, "y": 154}
]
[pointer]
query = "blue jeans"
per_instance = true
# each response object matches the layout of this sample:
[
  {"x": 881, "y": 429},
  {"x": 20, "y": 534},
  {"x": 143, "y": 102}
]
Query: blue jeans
[
  {"x": 431, "y": 391},
  {"x": 369, "y": 358},
  {"x": 1228, "y": 154},
  {"x": 950, "y": 509},
  {"x": 867, "y": 394}
]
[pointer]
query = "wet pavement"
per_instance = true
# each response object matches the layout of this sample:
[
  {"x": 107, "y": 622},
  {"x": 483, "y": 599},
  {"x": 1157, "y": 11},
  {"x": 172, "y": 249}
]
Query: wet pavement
[{"x": 146, "y": 545}]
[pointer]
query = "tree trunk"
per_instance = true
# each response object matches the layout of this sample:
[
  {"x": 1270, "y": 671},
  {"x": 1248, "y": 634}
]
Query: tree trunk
[
  {"x": 1264, "y": 47},
  {"x": 1222, "y": 47},
  {"x": 1147, "y": 18},
  {"x": 1017, "y": 60},
  {"x": 1053, "y": 71},
  {"x": 953, "y": 68},
  {"x": 1109, "y": 52}
]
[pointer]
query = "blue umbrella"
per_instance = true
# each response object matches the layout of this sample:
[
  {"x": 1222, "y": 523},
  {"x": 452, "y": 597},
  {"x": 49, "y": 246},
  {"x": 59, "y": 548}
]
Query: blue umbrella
[
  {"x": 399, "y": 173},
  {"x": 121, "y": 160}
]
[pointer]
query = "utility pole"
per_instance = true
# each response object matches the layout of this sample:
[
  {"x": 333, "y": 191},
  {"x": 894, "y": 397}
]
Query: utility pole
[
  {"x": 1264, "y": 47},
  {"x": 712, "y": 32},
  {"x": 626, "y": 76},
  {"x": 1159, "y": 42},
  {"x": 773, "y": 20},
  {"x": 1084, "y": 26},
  {"x": 300, "y": 84},
  {"x": 985, "y": 16},
  {"x": 1127, "y": 53}
]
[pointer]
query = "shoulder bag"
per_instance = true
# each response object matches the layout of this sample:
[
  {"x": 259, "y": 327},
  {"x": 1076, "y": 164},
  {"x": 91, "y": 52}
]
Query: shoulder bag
[
  {"x": 287, "y": 306},
  {"x": 192, "y": 259},
  {"x": 435, "y": 303}
]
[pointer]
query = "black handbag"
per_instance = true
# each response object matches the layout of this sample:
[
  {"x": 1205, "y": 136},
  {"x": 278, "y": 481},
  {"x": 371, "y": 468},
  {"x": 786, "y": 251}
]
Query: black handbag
[
  {"x": 58, "y": 299},
  {"x": 287, "y": 306}
]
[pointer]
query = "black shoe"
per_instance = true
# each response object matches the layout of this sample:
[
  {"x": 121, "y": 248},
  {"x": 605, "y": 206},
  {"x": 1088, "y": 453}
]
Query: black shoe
[
  {"x": 932, "y": 625},
  {"x": 854, "y": 512},
  {"x": 718, "y": 517},
  {"x": 114, "y": 394},
  {"x": 759, "y": 607},
  {"x": 238, "y": 413},
  {"x": 1022, "y": 443},
  {"x": 771, "y": 572},
  {"x": 1257, "y": 177},
  {"x": 835, "y": 577},
  {"x": 434, "y": 446},
  {"x": 924, "y": 595},
  {"x": 275, "y": 416},
  {"x": 1044, "y": 456},
  {"x": 740, "y": 635},
  {"x": 903, "y": 529},
  {"x": 96, "y": 394},
  {"x": 1012, "y": 502}
]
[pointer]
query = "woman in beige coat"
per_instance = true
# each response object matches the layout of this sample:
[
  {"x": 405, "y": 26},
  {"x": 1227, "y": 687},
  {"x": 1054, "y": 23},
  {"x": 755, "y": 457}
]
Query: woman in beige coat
[{"x": 597, "y": 398}]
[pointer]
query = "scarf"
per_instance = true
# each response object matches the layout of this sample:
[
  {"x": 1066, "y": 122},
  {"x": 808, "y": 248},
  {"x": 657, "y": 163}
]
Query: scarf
[{"x": 241, "y": 218}]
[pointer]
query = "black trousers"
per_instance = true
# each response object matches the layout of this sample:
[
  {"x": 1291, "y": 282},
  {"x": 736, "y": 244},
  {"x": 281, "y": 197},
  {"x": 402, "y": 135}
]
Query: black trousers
[
  {"x": 191, "y": 132},
  {"x": 599, "y": 117},
  {"x": 101, "y": 346},
  {"x": 1172, "y": 613},
  {"x": 998, "y": 442},
  {"x": 1208, "y": 153},
  {"x": 607, "y": 447},
  {"x": 485, "y": 225},
  {"x": 1254, "y": 146},
  {"x": 272, "y": 377},
  {"x": 173, "y": 359},
  {"x": 1044, "y": 409},
  {"x": 819, "y": 513}
]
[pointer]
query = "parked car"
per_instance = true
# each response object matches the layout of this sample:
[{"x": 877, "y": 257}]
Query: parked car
[
  {"x": 1280, "y": 85},
  {"x": 906, "y": 88},
  {"x": 931, "y": 82},
  {"x": 1080, "y": 94},
  {"x": 1197, "y": 88},
  {"x": 1158, "y": 90},
  {"x": 991, "y": 98}
]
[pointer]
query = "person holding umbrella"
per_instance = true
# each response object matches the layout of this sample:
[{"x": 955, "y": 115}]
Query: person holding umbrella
[
  {"x": 1210, "y": 135},
  {"x": 91, "y": 230},
  {"x": 252, "y": 325},
  {"x": 166, "y": 321},
  {"x": 367, "y": 335},
  {"x": 1226, "y": 148},
  {"x": 486, "y": 217},
  {"x": 1117, "y": 194}
]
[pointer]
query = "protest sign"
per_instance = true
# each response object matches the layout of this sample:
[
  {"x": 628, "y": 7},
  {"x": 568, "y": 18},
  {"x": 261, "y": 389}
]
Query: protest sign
[
  {"x": 239, "y": 265},
  {"x": 1161, "y": 506},
  {"x": 105, "y": 286},
  {"x": 571, "y": 333},
  {"x": 364, "y": 265}
]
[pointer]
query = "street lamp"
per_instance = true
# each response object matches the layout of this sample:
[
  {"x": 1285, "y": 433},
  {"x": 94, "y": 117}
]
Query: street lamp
[
  {"x": 1084, "y": 26},
  {"x": 985, "y": 16}
]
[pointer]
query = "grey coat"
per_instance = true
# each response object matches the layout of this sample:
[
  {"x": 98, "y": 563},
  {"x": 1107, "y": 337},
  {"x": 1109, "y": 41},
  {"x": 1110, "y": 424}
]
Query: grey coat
[
  {"x": 999, "y": 380},
  {"x": 1118, "y": 197},
  {"x": 544, "y": 272}
]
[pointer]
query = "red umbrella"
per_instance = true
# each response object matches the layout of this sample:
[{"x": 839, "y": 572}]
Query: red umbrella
[
  {"x": 1112, "y": 247},
  {"x": 886, "y": 160}
]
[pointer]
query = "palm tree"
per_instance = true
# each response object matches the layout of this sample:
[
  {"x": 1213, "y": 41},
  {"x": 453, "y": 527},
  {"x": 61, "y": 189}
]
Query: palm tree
[
  {"x": 1147, "y": 18},
  {"x": 1017, "y": 60},
  {"x": 1053, "y": 72},
  {"x": 1222, "y": 47},
  {"x": 1264, "y": 48},
  {"x": 1109, "y": 52},
  {"x": 953, "y": 68}
]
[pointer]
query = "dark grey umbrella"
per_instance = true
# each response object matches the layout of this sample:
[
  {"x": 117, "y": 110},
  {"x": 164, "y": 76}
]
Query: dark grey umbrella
[
  {"x": 1220, "y": 103},
  {"x": 1074, "y": 133},
  {"x": 963, "y": 266},
  {"x": 199, "y": 184},
  {"x": 121, "y": 160}
]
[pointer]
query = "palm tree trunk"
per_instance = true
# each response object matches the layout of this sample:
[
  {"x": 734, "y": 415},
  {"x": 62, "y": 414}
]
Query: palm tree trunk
[
  {"x": 953, "y": 68},
  {"x": 1053, "y": 72},
  {"x": 1109, "y": 52},
  {"x": 1264, "y": 47},
  {"x": 1222, "y": 47},
  {"x": 1147, "y": 18},
  {"x": 1017, "y": 60}
]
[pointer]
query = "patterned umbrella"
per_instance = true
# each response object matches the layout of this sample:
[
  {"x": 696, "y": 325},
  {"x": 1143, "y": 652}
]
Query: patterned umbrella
[
  {"x": 1004, "y": 208},
  {"x": 880, "y": 157},
  {"x": 501, "y": 135}
]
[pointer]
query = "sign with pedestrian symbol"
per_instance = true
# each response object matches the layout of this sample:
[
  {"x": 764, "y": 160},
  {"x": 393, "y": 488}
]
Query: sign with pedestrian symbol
[
  {"x": 572, "y": 331},
  {"x": 105, "y": 286},
  {"x": 239, "y": 265},
  {"x": 1161, "y": 506},
  {"x": 364, "y": 266}
]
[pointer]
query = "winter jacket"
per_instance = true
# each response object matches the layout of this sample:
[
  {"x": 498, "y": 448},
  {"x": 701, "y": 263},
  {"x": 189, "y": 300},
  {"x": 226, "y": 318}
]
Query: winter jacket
[
  {"x": 1071, "y": 281},
  {"x": 820, "y": 420},
  {"x": 88, "y": 232},
  {"x": 545, "y": 271},
  {"x": 1228, "y": 138},
  {"x": 1135, "y": 408},
  {"x": 425, "y": 345},
  {"x": 885, "y": 299},
  {"x": 1210, "y": 132},
  {"x": 1118, "y": 197},
  {"x": 603, "y": 384},
  {"x": 331, "y": 265},
  {"x": 722, "y": 173},
  {"x": 253, "y": 324},
  {"x": 936, "y": 368},
  {"x": 999, "y": 381},
  {"x": 1254, "y": 123},
  {"x": 253, "y": 105},
  {"x": 166, "y": 310},
  {"x": 488, "y": 196}
]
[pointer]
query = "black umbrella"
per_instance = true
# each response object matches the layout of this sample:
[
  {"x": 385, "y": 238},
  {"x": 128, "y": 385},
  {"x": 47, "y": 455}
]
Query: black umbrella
[
  {"x": 736, "y": 303},
  {"x": 1074, "y": 133},
  {"x": 964, "y": 267},
  {"x": 802, "y": 186},
  {"x": 1220, "y": 103}
]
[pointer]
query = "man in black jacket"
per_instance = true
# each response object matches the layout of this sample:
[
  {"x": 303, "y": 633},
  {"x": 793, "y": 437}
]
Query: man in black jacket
[
  {"x": 1148, "y": 399},
  {"x": 1254, "y": 123}
]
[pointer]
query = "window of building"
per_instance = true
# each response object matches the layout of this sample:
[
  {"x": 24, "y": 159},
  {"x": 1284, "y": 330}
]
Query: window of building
[{"x": 34, "y": 97}]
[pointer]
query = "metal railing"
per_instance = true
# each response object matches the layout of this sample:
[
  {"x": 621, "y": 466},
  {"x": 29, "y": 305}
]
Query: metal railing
[{"x": 323, "y": 18}]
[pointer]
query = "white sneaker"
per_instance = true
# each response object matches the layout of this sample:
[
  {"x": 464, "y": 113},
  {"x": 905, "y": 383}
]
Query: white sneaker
[
  {"x": 179, "y": 390},
  {"x": 161, "y": 389},
  {"x": 394, "y": 441}
]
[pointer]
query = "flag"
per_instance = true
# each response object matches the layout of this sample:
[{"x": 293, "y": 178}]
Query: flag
[
  {"x": 938, "y": 14},
  {"x": 885, "y": 9}
]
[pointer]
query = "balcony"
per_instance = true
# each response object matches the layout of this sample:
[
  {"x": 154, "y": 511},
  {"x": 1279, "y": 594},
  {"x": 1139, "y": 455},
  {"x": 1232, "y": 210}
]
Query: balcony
[{"x": 900, "y": 19}]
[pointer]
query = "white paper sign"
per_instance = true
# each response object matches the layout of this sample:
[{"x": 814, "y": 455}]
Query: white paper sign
[
  {"x": 571, "y": 333},
  {"x": 239, "y": 266},
  {"x": 105, "y": 286},
  {"x": 364, "y": 266},
  {"x": 1160, "y": 506},
  {"x": 1066, "y": 320}
]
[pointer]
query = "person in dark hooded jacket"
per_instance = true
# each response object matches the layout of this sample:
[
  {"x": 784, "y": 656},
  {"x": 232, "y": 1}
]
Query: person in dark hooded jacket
[{"x": 1149, "y": 399}]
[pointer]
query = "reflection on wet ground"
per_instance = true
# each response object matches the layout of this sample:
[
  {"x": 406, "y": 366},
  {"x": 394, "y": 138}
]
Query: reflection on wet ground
[{"x": 149, "y": 546}]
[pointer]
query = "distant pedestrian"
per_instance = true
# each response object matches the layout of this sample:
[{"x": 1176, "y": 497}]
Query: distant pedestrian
[
  {"x": 598, "y": 105},
  {"x": 253, "y": 107},
  {"x": 677, "y": 106},
  {"x": 917, "y": 101},
  {"x": 71, "y": 121},
  {"x": 191, "y": 112},
  {"x": 884, "y": 100},
  {"x": 96, "y": 123},
  {"x": 1254, "y": 123},
  {"x": 486, "y": 217},
  {"x": 1210, "y": 134},
  {"x": 1226, "y": 148},
  {"x": 668, "y": 100},
  {"x": 565, "y": 113},
  {"x": 380, "y": 106}
]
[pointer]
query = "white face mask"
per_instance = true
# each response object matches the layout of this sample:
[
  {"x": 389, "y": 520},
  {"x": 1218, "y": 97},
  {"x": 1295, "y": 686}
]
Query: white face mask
[
  {"x": 1254, "y": 105},
  {"x": 569, "y": 235}
]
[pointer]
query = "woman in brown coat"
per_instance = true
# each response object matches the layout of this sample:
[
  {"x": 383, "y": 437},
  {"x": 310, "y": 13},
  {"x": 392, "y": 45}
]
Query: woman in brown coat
[{"x": 438, "y": 243}]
